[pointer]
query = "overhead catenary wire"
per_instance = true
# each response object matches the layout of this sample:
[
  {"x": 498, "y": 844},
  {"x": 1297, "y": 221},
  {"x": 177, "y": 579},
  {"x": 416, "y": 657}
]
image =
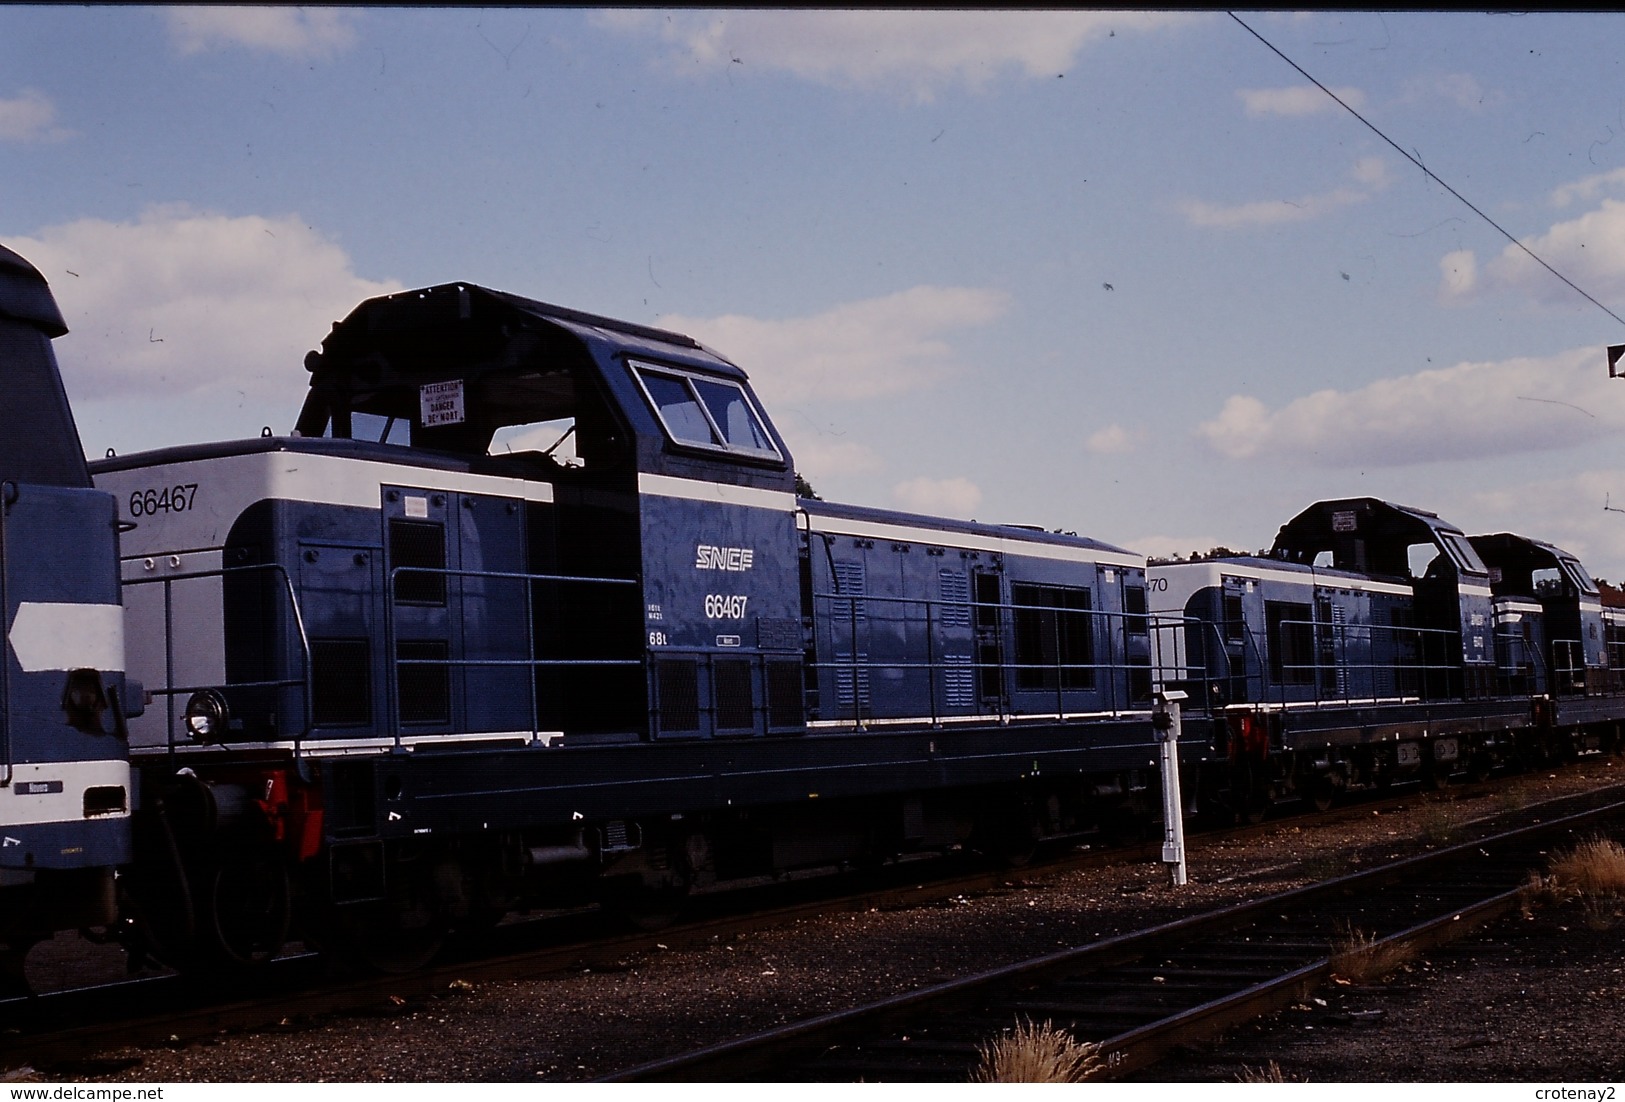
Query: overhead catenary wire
[{"x": 1426, "y": 171}]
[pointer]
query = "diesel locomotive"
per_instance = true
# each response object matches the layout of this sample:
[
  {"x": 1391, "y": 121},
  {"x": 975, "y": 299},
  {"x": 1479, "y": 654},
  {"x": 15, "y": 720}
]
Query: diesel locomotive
[
  {"x": 65, "y": 789},
  {"x": 1376, "y": 642},
  {"x": 526, "y": 611}
]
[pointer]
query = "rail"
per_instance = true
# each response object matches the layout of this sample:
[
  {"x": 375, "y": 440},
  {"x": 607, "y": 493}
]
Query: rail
[{"x": 1138, "y": 995}]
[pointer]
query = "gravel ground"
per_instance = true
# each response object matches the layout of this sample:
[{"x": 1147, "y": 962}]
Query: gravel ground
[
  {"x": 1532, "y": 999},
  {"x": 1484, "y": 1010}
]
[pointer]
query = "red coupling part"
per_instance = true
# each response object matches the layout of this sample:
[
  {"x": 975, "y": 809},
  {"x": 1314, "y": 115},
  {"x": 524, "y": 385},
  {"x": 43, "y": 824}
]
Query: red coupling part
[{"x": 294, "y": 811}]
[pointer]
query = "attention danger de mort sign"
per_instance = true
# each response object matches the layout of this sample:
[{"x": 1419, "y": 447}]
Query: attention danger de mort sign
[{"x": 441, "y": 403}]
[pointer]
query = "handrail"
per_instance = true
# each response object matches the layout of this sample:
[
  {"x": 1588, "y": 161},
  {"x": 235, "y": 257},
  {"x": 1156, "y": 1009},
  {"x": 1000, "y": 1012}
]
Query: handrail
[
  {"x": 394, "y": 662},
  {"x": 1339, "y": 637},
  {"x": 169, "y": 690},
  {"x": 845, "y": 606}
]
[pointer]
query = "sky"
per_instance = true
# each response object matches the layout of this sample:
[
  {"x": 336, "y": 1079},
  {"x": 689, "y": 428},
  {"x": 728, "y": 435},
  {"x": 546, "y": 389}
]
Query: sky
[{"x": 1129, "y": 275}]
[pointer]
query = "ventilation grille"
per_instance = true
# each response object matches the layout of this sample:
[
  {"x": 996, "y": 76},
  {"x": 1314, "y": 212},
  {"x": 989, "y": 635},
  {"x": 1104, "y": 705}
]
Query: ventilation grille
[
  {"x": 425, "y": 690},
  {"x": 954, "y": 612},
  {"x": 844, "y": 677},
  {"x": 735, "y": 708},
  {"x": 958, "y": 682},
  {"x": 677, "y": 683},
  {"x": 784, "y": 695},
  {"x": 418, "y": 544},
  {"x": 340, "y": 683}
]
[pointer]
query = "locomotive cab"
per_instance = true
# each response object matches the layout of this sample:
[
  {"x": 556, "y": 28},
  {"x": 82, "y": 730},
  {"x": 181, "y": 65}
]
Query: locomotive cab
[
  {"x": 641, "y": 434},
  {"x": 1449, "y": 624},
  {"x": 1561, "y": 639}
]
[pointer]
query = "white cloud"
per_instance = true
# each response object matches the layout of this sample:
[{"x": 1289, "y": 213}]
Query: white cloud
[
  {"x": 1458, "y": 89},
  {"x": 1114, "y": 440},
  {"x": 291, "y": 32},
  {"x": 1467, "y": 411},
  {"x": 819, "y": 457},
  {"x": 1269, "y": 212},
  {"x": 1587, "y": 188},
  {"x": 182, "y": 300},
  {"x": 918, "y": 50},
  {"x": 951, "y": 497},
  {"x": 1370, "y": 173},
  {"x": 1566, "y": 511},
  {"x": 30, "y": 117},
  {"x": 1589, "y": 250},
  {"x": 1296, "y": 101},
  {"x": 855, "y": 351}
]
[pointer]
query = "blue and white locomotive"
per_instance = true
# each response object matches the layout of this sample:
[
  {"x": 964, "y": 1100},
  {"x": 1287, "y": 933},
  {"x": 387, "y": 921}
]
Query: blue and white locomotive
[
  {"x": 1376, "y": 642},
  {"x": 527, "y": 610},
  {"x": 65, "y": 793}
]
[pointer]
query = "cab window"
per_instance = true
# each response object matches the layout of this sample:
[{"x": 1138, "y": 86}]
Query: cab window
[{"x": 704, "y": 412}]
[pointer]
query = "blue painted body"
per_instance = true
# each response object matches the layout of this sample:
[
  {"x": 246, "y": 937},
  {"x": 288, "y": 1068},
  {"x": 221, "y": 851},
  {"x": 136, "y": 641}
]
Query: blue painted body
[
  {"x": 570, "y": 635},
  {"x": 65, "y": 790}
]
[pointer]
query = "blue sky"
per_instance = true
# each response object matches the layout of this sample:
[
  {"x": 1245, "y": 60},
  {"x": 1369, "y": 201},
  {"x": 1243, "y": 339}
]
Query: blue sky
[{"x": 1128, "y": 275}]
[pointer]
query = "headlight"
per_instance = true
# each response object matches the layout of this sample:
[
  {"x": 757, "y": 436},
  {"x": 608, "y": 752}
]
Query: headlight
[{"x": 206, "y": 716}]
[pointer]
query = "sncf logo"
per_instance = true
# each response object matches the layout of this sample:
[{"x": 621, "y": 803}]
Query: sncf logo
[{"x": 736, "y": 559}]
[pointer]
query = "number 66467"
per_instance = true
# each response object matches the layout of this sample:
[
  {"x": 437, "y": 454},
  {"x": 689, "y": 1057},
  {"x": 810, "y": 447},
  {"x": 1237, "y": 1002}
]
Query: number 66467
[{"x": 167, "y": 499}]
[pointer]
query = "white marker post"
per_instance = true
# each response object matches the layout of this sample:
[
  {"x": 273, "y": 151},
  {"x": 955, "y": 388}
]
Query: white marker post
[{"x": 1165, "y": 720}]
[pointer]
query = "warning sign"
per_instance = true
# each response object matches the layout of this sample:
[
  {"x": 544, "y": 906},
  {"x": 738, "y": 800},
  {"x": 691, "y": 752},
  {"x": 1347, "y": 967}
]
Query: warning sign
[{"x": 442, "y": 403}]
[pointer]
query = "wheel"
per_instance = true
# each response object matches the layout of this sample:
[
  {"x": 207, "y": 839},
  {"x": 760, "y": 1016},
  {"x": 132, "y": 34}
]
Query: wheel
[
  {"x": 644, "y": 907},
  {"x": 13, "y": 983},
  {"x": 1008, "y": 834},
  {"x": 247, "y": 908},
  {"x": 1322, "y": 794},
  {"x": 380, "y": 938},
  {"x": 1249, "y": 795}
]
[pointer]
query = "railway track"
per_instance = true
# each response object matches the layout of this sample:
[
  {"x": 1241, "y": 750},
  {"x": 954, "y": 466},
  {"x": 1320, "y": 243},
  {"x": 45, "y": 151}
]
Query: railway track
[
  {"x": 67, "y": 1029},
  {"x": 1139, "y": 995}
]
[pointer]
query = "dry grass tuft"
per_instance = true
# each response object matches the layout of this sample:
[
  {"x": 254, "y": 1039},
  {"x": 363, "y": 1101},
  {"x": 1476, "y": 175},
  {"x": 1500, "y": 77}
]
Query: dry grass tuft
[
  {"x": 1359, "y": 957},
  {"x": 1594, "y": 869},
  {"x": 1592, "y": 873},
  {"x": 1269, "y": 1073},
  {"x": 1038, "y": 1054}
]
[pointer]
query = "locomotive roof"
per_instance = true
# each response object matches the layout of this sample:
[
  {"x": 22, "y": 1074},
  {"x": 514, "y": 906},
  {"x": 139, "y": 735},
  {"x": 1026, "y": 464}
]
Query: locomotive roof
[
  {"x": 409, "y": 333},
  {"x": 458, "y": 363},
  {"x": 41, "y": 442},
  {"x": 1518, "y": 558},
  {"x": 1257, "y": 565},
  {"x": 928, "y": 526},
  {"x": 1367, "y": 534},
  {"x": 26, "y": 297}
]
